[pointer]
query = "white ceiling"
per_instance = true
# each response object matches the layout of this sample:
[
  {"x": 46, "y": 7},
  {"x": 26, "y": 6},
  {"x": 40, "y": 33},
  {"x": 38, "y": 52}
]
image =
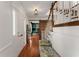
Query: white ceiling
[{"x": 42, "y": 7}]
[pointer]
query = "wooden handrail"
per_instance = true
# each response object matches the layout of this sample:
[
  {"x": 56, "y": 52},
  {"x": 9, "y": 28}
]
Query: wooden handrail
[
  {"x": 51, "y": 12},
  {"x": 53, "y": 3}
]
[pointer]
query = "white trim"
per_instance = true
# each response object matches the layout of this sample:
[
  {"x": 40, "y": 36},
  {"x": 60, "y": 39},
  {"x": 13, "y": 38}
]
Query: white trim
[{"x": 14, "y": 22}]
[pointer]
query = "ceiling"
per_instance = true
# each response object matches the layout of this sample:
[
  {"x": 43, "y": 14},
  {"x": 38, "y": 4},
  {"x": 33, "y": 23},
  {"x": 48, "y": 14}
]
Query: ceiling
[{"x": 43, "y": 8}]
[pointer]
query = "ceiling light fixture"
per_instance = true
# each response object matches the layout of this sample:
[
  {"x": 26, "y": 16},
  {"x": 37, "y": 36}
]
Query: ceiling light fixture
[{"x": 35, "y": 12}]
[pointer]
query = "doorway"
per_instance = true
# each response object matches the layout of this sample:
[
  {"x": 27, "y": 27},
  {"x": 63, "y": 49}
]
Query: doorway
[{"x": 35, "y": 28}]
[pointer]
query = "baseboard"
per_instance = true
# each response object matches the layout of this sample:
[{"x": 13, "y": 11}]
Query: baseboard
[
  {"x": 56, "y": 52},
  {"x": 21, "y": 52},
  {"x": 5, "y": 47}
]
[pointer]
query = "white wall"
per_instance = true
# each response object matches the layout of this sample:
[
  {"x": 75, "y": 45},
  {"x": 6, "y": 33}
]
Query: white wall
[
  {"x": 65, "y": 41},
  {"x": 11, "y": 45}
]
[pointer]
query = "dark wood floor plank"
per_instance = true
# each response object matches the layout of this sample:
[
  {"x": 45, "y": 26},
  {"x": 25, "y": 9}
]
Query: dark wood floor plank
[{"x": 32, "y": 51}]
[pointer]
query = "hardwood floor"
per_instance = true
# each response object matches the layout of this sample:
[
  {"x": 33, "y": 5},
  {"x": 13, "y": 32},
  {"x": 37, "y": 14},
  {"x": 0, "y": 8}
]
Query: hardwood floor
[{"x": 31, "y": 49}]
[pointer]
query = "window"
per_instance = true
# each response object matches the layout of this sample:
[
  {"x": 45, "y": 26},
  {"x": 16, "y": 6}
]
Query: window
[{"x": 75, "y": 3}]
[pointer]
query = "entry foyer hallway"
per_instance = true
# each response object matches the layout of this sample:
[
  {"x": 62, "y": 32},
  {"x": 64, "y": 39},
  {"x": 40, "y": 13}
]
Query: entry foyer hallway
[{"x": 39, "y": 29}]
